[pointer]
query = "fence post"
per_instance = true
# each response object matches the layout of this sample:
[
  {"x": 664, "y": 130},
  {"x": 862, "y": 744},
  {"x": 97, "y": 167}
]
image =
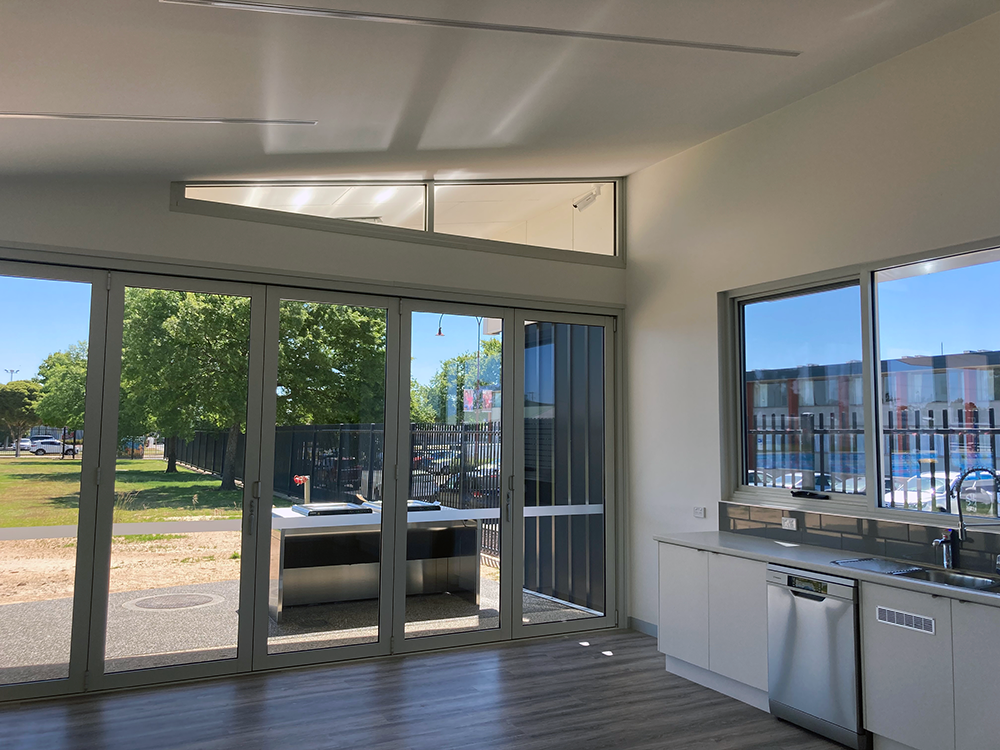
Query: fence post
[
  {"x": 809, "y": 443},
  {"x": 371, "y": 461},
  {"x": 462, "y": 482},
  {"x": 947, "y": 456}
]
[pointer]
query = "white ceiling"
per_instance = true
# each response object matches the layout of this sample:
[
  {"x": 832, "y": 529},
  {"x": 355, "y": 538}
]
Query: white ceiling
[{"x": 406, "y": 101}]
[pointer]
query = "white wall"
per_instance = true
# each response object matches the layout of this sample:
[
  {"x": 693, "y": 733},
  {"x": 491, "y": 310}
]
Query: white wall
[
  {"x": 902, "y": 158},
  {"x": 132, "y": 217}
]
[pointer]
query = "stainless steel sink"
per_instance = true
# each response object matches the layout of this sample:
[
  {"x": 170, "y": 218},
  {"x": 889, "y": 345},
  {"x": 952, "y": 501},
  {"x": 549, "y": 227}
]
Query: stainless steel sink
[
  {"x": 931, "y": 575},
  {"x": 951, "y": 578}
]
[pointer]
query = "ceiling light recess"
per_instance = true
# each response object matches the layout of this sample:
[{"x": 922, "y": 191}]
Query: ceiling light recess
[
  {"x": 448, "y": 23},
  {"x": 149, "y": 118}
]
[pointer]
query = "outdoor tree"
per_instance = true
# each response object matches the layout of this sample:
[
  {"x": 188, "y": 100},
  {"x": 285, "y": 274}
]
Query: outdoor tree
[
  {"x": 331, "y": 364},
  {"x": 18, "y": 403},
  {"x": 421, "y": 411},
  {"x": 63, "y": 377},
  {"x": 185, "y": 365},
  {"x": 477, "y": 370}
]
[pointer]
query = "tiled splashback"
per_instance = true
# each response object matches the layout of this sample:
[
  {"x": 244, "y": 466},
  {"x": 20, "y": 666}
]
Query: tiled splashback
[{"x": 859, "y": 536}]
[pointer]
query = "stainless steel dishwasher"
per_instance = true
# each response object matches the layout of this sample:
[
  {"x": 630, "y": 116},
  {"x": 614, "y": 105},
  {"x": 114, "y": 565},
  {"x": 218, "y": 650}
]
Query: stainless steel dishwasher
[{"x": 813, "y": 658}]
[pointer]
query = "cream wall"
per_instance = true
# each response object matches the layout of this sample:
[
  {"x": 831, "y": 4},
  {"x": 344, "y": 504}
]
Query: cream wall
[
  {"x": 899, "y": 159},
  {"x": 132, "y": 218},
  {"x": 563, "y": 226}
]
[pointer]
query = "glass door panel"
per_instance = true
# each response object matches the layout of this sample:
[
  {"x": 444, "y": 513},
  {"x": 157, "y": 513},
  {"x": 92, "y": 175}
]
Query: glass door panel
[
  {"x": 176, "y": 548},
  {"x": 326, "y": 496},
  {"x": 454, "y": 475},
  {"x": 564, "y": 457},
  {"x": 45, "y": 347}
]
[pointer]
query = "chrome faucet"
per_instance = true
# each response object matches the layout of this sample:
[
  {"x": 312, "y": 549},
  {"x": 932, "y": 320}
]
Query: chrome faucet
[
  {"x": 962, "y": 525},
  {"x": 950, "y": 540},
  {"x": 947, "y": 545}
]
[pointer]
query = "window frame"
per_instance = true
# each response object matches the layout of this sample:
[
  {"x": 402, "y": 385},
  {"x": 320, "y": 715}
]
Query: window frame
[
  {"x": 732, "y": 411},
  {"x": 180, "y": 203}
]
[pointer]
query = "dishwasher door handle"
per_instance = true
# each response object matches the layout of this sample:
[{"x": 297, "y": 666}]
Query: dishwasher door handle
[{"x": 804, "y": 595}]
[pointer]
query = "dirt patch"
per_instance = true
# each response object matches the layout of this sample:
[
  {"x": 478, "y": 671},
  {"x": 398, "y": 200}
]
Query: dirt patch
[{"x": 38, "y": 569}]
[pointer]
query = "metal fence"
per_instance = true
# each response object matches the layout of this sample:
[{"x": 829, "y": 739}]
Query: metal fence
[
  {"x": 455, "y": 465},
  {"x": 827, "y": 451},
  {"x": 786, "y": 451}
]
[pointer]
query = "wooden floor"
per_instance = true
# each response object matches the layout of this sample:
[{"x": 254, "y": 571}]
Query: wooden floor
[{"x": 546, "y": 693}]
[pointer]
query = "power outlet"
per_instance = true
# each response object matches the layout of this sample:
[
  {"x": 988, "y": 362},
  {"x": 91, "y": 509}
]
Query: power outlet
[
  {"x": 790, "y": 524},
  {"x": 699, "y": 511}
]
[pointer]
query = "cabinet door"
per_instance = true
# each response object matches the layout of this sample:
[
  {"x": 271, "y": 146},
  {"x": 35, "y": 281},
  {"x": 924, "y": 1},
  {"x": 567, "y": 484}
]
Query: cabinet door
[
  {"x": 683, "y": 626},
  {"x": 976, "y": 633},
  {"x": 908, "y": 684},
  {"x": 737, "y": 619}
]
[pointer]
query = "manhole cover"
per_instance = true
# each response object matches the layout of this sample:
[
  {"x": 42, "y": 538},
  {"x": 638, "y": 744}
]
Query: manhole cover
[{"x": 174, "y": 601}]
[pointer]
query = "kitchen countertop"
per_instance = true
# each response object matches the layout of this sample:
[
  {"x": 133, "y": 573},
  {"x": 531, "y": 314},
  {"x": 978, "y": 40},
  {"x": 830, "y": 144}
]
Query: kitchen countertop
[{"x": 817, "y": 559}]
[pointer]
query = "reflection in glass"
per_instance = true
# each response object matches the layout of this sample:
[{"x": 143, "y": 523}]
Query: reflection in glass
[
  {"x": 326, "y": 524},
  {"x": 939, "y": 384},
  {"x": 386, "y": 205},
  {"x": 564, "y": 472},
  {"x": 453, "y": 518},
  {"x": 42, "y": 397},
  {"x": 803, "y": 397},
  {"x": 567, "y": 216},
  {"x": 175, "y": 549}
]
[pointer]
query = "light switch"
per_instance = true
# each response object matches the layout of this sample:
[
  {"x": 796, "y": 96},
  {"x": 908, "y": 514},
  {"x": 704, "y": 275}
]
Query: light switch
[
  {"x": 699, "y": 511},
  {"x": 790, "y": 524}
]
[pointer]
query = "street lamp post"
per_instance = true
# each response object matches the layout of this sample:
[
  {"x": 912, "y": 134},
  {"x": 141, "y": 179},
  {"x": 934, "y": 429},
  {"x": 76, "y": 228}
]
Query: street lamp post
[{"x": 10, "y": 374}]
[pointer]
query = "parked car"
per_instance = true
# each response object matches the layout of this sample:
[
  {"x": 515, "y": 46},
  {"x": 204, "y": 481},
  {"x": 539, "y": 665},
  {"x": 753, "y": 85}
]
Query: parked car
[
  {"x": 423, "y": 485},
  {"x": 479, "y": 490},
  {"x": 443, "y": 461},
  {"x": 931, "y": 493},
  {"x": 26, "y": 442},
  {"x": 821, "y": 482},
  {"x": 43, "y": 447},
  {"x": 758, "y": 478}
]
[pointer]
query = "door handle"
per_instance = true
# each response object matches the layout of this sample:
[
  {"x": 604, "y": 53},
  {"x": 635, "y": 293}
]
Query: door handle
[
  {"x": 508, "y": 506},
  {"x": 252, "y": 510}
]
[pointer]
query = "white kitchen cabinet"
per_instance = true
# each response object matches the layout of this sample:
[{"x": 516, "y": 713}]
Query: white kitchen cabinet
[
  {"x": 713, "y": 613},
  {"x": 976, "y": 639},
  {"x": 737, "y": 619},
  {"x": 908, "y": 684},
  {"x": 683, "y": 626}
]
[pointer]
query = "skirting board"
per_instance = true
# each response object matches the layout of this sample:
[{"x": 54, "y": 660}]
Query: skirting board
[
  {"x": 749, "y": 695},
  {"x": 646, "y": 628}
]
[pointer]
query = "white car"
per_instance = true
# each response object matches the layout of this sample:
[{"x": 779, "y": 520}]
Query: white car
[
  {"x": 977, "y": 492},
  {"x": 25, "y": 442},
  {"x": 51, "y": 445}
]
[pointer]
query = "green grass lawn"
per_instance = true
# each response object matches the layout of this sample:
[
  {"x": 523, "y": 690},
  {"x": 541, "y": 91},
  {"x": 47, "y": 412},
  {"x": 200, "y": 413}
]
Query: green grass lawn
[{"x": 46, "y": 492}]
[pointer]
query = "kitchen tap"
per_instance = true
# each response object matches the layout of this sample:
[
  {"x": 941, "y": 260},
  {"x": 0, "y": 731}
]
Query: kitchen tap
[
  {"x": 950, "y": 541},
  {"x": 947, "y": 544}
]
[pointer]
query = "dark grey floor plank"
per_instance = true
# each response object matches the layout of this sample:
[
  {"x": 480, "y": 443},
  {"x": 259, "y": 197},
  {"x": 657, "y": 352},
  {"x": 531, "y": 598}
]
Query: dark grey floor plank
[{"x": 544, "y": 694}]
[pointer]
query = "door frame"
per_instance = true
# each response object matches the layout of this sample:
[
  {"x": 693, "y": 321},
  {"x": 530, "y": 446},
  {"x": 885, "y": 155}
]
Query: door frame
[
  {"x": 381, "y": 647},
  {"x": 117, "y": 282},
  {"x": 611, "y": 511},
  {"x": 86, "y": 518},
  {"x": 400, "y": 643},
  {"x": 97, "y": 479}
]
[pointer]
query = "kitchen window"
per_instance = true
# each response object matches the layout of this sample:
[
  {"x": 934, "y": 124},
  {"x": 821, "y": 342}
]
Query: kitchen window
[
  {"x": 812, "y": 438},
  {"x": 875, "y": 389}
]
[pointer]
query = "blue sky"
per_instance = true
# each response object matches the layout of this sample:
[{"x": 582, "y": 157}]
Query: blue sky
[
  {"x": 429, "y": 350},
  {"x": 950, "y": 311},
  {"x": 953, "y": 311},
  {"x": 38, "y": 317}
]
